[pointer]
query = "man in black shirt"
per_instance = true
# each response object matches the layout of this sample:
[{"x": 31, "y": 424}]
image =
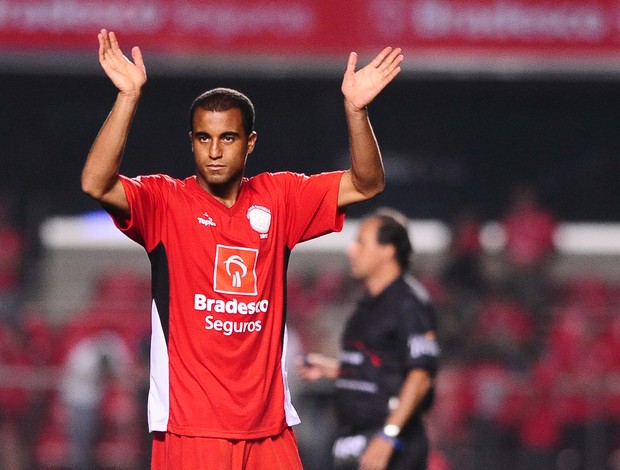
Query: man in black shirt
[{"x": 384, "y": 374}]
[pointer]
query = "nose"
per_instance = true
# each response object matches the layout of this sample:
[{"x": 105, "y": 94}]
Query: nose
[{"x": 215, "y": 150}]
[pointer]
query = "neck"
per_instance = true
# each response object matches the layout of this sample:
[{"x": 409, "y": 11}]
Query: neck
[
  {"x": 228, "y": 200},
  {"x": 227, "y": 194},
  {"x": 377, "y": 283}
]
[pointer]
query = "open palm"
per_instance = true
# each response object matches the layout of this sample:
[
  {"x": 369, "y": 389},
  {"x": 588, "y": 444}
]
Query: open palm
[
  {"x": 127, "y": 76},
  {"x": 361, "y": 87}
]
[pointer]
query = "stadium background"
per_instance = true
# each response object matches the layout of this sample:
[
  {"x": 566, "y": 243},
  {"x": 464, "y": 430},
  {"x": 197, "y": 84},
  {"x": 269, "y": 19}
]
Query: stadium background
[{"x": 493, "y": 95}]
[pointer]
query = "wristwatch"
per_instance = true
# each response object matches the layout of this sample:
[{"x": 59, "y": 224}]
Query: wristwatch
[{"x": 391, "y": 430}]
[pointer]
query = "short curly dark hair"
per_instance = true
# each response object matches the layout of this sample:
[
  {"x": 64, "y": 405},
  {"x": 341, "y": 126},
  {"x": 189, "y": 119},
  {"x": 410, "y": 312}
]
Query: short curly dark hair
[{"x": 223, "y": 99}]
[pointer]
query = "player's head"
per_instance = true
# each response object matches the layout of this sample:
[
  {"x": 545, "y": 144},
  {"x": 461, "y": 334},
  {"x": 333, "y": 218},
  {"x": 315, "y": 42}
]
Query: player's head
[
  {"x": 392, "y": 230},
  {"x": 224, "y": 99}
]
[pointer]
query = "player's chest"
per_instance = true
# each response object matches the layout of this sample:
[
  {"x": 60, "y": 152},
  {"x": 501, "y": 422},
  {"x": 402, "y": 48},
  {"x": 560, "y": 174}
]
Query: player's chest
[{"x": 197, "y": 224}]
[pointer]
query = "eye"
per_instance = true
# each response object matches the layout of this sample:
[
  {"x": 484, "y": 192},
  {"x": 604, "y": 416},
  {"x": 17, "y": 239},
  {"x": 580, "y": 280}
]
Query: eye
[{"x": 203, "y": 138}]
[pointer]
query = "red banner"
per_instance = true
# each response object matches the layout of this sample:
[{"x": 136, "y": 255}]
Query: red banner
[{"x": 542, "y": 28}]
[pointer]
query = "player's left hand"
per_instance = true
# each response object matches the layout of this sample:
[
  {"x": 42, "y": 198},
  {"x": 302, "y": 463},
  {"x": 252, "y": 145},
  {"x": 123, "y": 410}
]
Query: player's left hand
[
  {"x": 362, "y": 86},
  {"x": 129, "y": 77},
  {"x": 377, "y": 455}
]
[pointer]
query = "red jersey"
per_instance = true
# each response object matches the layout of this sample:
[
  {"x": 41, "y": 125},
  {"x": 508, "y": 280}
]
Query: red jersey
[{"x": 218, "y": 344}]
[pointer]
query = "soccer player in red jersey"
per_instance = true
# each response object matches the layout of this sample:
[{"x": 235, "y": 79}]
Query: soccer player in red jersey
[{"x": 218, "y": 243}]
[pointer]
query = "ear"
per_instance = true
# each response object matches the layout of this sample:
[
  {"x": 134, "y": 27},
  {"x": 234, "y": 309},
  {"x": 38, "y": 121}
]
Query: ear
[
  {"x": 191, "y": 139},
  {"x": 252, "y": 141},
  {"x": 389, "y": 250}
]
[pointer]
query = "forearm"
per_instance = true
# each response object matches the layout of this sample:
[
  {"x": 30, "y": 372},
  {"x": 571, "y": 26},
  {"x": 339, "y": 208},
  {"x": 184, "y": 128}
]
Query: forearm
[
  {"x": 331, "y": 370},
  {"x": 413, "y": 391},
  {"x": 382, "y": 446},
  {"x": 315, "y": 366},
  {"x": 328, "y": 366},
  {"x": 366, "y": 174},
  {"x": 100, "y": 172}
]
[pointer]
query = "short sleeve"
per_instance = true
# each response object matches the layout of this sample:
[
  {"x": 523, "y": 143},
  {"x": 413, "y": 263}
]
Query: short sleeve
[
  {"x": 144, "y": 195},
  {"x": 314, "y": 206}
]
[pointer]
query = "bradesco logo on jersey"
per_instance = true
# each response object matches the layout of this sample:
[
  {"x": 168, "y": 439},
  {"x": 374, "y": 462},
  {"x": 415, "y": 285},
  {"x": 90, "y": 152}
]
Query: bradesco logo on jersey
[
  {"x": 235, "y": 270},
  {"x": 235, "y": 273}
]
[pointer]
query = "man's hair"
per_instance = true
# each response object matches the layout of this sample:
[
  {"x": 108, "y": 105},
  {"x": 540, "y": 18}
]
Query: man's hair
[
  {"x": 393, "y": 230},
  {"x": 224, "y": 99}
]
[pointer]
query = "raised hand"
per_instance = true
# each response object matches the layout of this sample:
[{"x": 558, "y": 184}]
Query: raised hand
[
  {"x": 361, "y": 87},
  {"x": 127, "y": 76}
]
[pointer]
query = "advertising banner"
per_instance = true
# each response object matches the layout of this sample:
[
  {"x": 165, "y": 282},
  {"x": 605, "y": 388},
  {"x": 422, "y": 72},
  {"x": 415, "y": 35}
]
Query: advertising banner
[{"x": 539, "y": 28}]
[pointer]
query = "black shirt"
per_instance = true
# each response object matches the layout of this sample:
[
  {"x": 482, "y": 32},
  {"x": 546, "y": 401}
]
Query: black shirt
[{"x": 384, "y": 339}]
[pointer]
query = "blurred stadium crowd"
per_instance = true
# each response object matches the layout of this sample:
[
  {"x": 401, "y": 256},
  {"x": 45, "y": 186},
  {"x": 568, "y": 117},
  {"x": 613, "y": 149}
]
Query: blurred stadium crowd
[{"x": 530, "y": 375}]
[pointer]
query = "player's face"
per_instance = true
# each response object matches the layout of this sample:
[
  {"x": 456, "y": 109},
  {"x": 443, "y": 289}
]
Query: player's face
[
  {"x": 220, "y": 147},
  {"x": 366, "y": 254}
]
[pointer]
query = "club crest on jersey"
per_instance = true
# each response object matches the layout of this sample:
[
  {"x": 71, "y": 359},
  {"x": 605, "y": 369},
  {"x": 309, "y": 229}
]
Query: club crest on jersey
[
  {"x": 235, "y": 270},
  {"x": 206, "y": 220},
  {"x": 260, "y": 219}
]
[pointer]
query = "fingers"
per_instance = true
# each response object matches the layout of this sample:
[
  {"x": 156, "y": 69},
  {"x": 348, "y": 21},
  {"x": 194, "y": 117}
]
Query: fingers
[
  {"x": 108, "y": 43},
  {"x": 352, "y": 63},
  {"x": 389, "y": 58},
  {"x": 104, "y": 43},
  {"x": 103, "y": 37},
  {"x": 107, "y": 39},
  {"x": 136, "y": 54},
  {"x": 110, "y": 51},
  {"x": 381, "y": 56},
  {"x": 114, "y": 43},
  {"x": 388, "y": 63}
]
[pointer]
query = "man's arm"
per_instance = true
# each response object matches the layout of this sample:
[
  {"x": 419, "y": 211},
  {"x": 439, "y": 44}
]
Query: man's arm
[
  {"x": 414, "y": 389},
  {"x": 366, "y": 178},
  {"x": 100, "y": 173},
  {"x": 315, "y": 366}
]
